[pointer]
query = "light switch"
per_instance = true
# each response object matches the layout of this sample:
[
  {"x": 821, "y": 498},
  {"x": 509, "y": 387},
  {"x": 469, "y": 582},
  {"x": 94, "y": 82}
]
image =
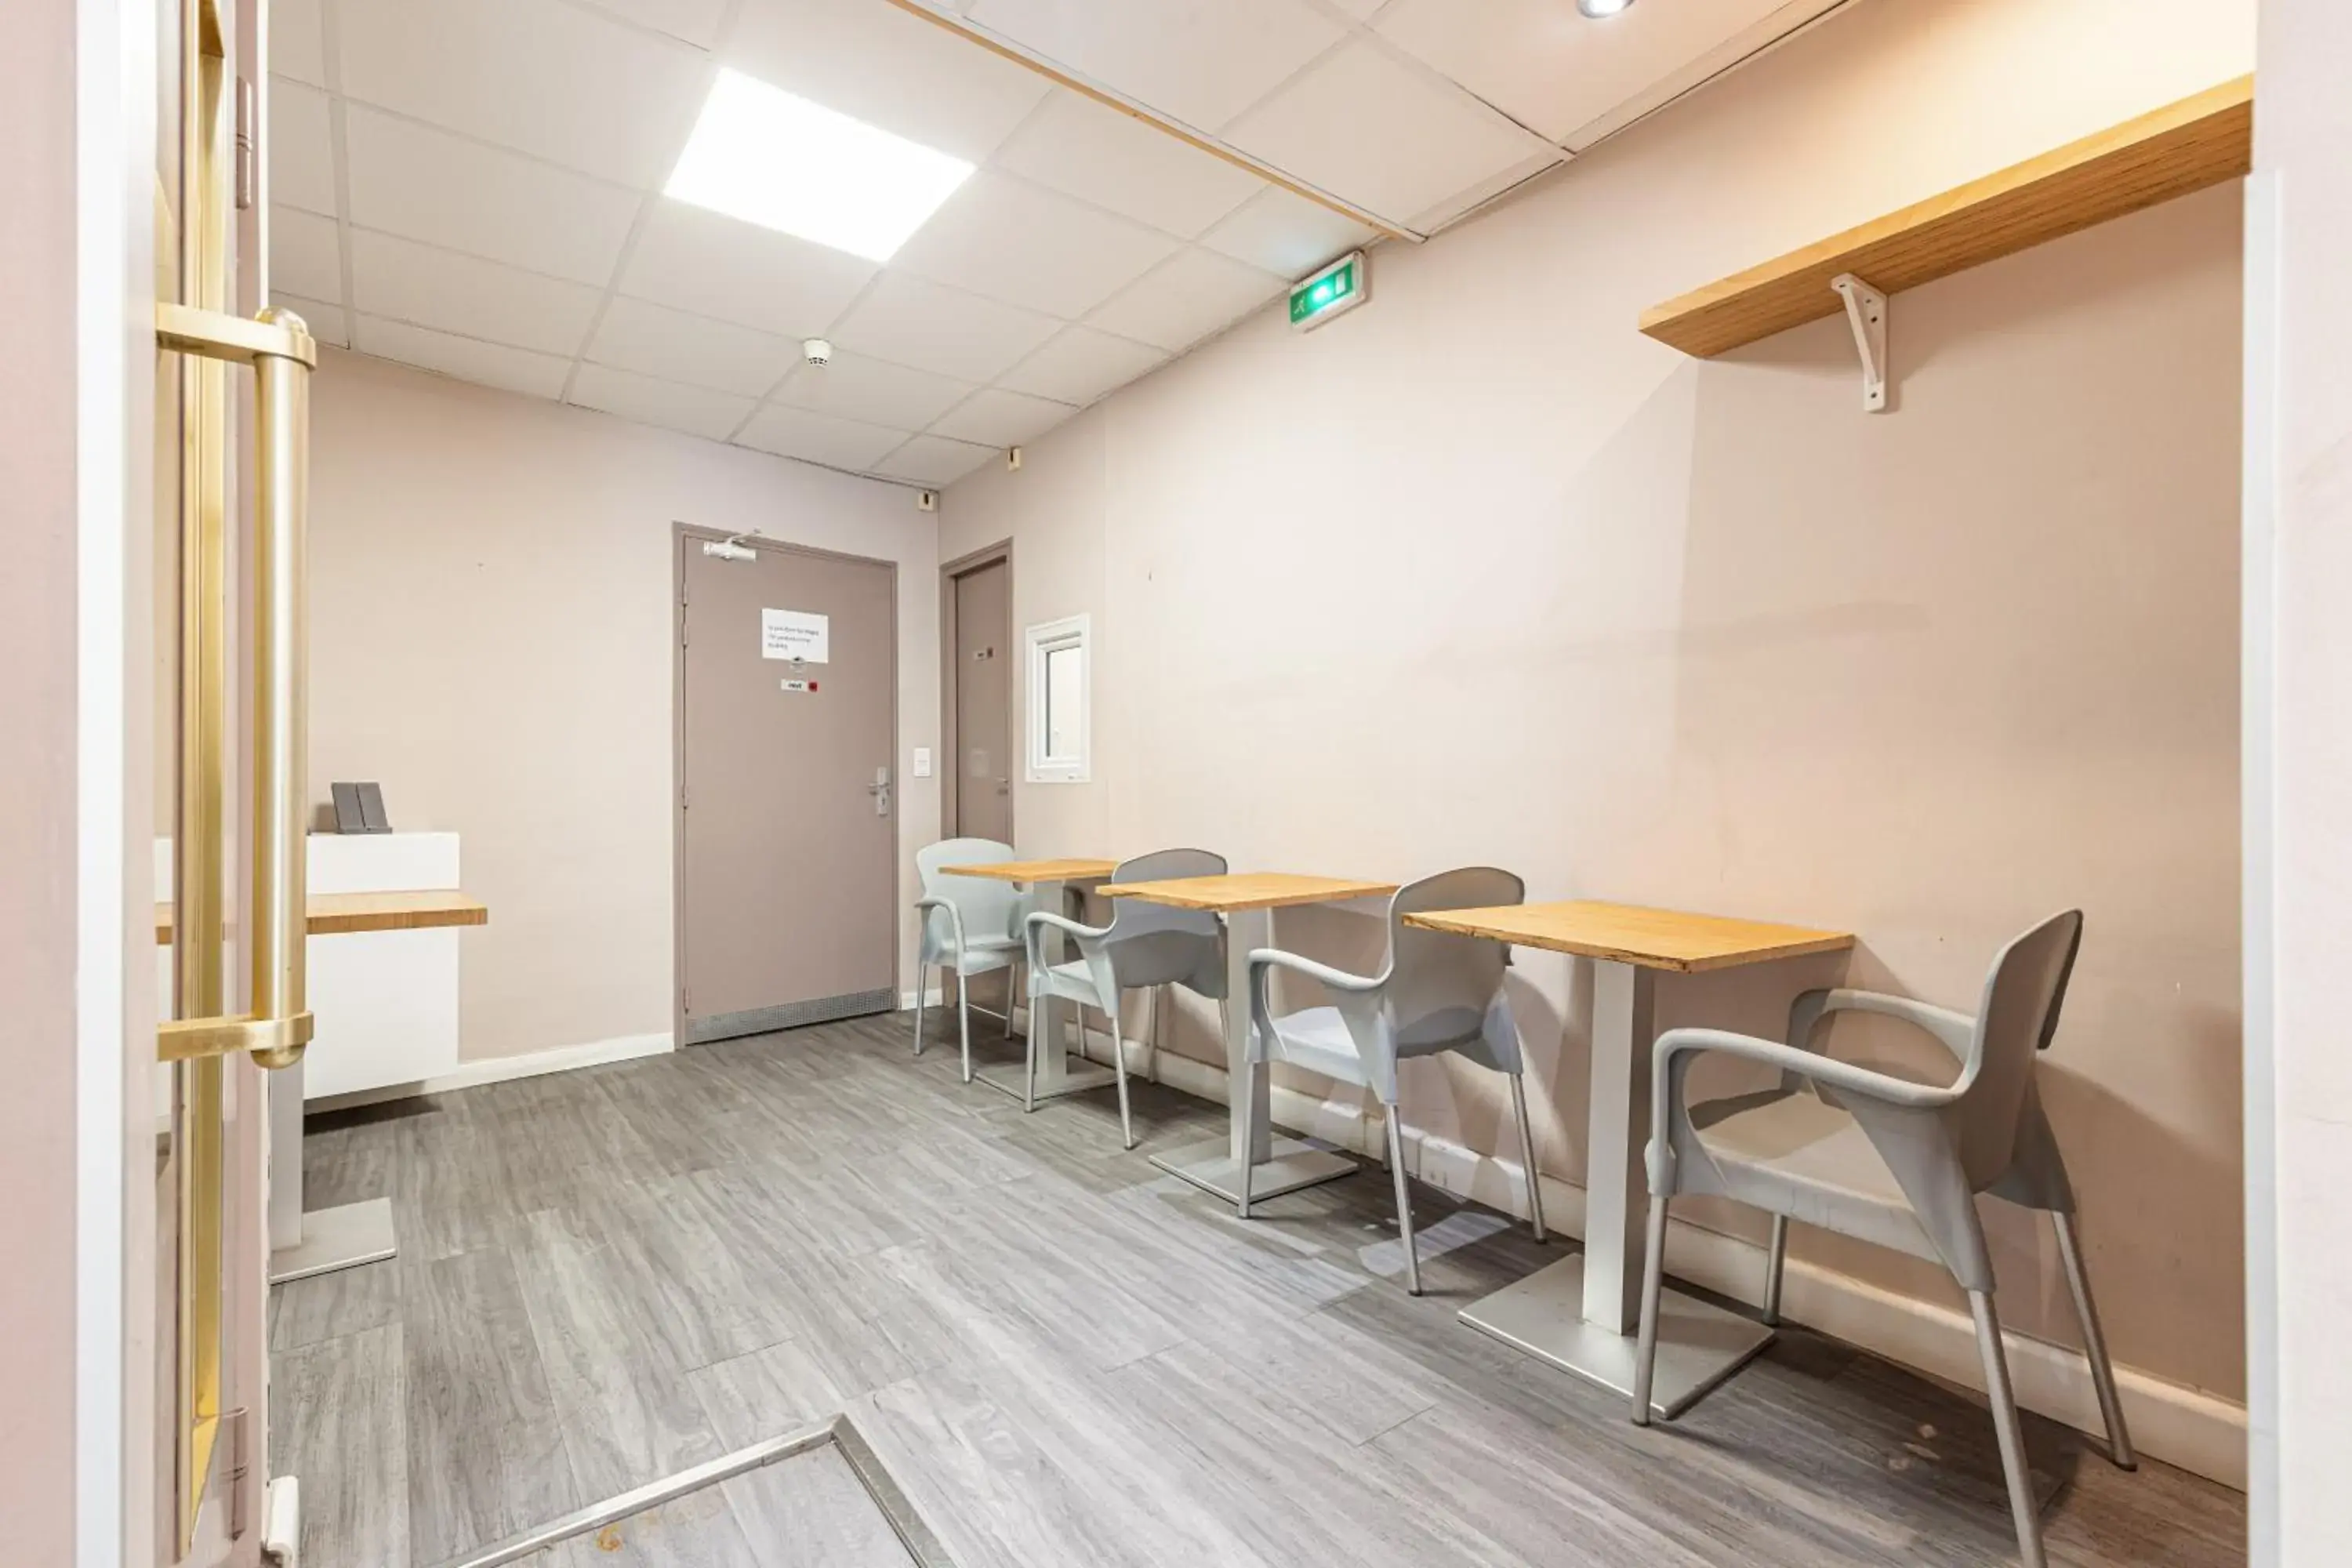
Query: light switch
[{"x": 922, "y": 762}]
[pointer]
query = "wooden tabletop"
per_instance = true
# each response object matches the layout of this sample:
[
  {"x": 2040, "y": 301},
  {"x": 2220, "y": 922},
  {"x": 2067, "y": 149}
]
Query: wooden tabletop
[
  {"x": 342, "y": 914},
  {"x": 1251, "y": 891},
  {"x": 1654, "y": 939},
  {"x": 1039, "y": 870}
]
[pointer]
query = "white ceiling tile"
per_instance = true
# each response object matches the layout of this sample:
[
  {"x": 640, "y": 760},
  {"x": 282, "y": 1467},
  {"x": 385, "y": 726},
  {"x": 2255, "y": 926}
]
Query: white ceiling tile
[
  {"x": 540, "y": 76},
  {"x": 1011, "y": 241},
  {"x": 326, "y": 322},
  {"x": 1286, "y": 234},
  {"x": 1081, "y": 364},
  {"x": 1115, "y": 160},
  {"x": 423, "y": 183},
  {"x": 695, "y": 259},
  {"x": 696, "y": 410},
  {"x": 870, "y": 60},
  {"x": 296, "y": 46},
  {"x": 696, "y": 21},
  {"x": 657, "y": 341},
  {"x": 1198, "y": 61},
  {"x": 1194, "y": 295},
  {"x": 996, "y": 418},
  {"x": 1365, "y": 127},
  {"x": 301, "y": 150},
  {"x": 468, "y": 359},
  {"x": 933, "y": 460},
  {"x": 1436, "y": 215},
  {"x": 1548, "y": 67},
  {"x": 305, "y": 256},
  {"x": 909, "y": 322},
  {"x": 856, "y": 387},
  {"x": 429, "y": 287},
  {"x": 819, "y": 437}
]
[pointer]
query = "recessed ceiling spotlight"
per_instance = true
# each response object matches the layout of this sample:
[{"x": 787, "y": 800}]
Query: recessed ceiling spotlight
[
  {"x": 1599, "y": 9},
  {"x": 772, "y": 158}
]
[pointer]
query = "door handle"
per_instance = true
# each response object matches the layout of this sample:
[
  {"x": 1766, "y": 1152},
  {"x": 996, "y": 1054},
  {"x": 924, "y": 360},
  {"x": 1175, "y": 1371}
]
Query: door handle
[
  {"x": 880, "y": 790},
  {"x": 277, "y": 347}
]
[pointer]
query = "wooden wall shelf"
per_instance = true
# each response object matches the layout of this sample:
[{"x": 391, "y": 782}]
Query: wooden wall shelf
[
  {"x": 342, "y": 914},
  {"x": 2170, "y": 151}
]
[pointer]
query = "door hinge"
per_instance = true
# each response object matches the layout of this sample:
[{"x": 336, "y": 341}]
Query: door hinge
[
  {"x": 240, "y": 1422},
  {"x": 685, "y": 999},
  {"x": 683, "y": 640},
  {"x": 684, "y": 796},
  {"x": 248, "y": 115}
]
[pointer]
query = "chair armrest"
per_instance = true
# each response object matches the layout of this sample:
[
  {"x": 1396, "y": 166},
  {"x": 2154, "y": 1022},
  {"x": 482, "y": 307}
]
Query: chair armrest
[
  {"x": 955, "y": 920},
  {"x": 1676, "y": 1045},
  {"x": 1337, "y": 979},
  {"x": 1034, "y": 925},
  {"x": 1957, "y": 1031},
  {"x": 1264, "y": 961}
]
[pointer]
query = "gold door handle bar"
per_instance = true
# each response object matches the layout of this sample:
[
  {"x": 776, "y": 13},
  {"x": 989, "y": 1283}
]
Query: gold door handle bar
[
  {"x": 280, "y": 350},
  {"x": 187, "y": 1040}
]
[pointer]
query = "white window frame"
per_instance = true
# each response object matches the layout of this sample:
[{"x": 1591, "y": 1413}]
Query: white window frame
[{"x": 1044, "y": 638}]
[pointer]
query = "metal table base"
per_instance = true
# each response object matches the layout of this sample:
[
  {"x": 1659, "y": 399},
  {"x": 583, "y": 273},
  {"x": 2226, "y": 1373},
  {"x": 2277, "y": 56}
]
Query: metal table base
[
  {"x": 1292, "y": 1165},
  {"x": 1073, "y": 1076},
  {"x": 1699, "y": 1344}
]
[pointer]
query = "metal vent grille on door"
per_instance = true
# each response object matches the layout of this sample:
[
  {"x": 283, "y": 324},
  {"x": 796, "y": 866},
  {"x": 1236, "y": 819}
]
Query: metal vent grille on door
[{"x": 789, "y": 1015}]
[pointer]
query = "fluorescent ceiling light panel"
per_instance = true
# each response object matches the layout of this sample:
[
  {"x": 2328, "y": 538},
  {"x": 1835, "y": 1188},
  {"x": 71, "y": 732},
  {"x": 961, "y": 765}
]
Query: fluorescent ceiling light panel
[{"x": 766, "y": 156}]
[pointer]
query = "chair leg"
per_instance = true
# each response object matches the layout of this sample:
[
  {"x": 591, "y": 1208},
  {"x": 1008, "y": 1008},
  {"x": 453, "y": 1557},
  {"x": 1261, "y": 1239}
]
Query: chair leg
[
  {"x": 964, "y": 1020},
  {"x": 1159, "y": 1023},
  {"x": 1404, "y": 1204},
  {"x": 1653, "y": 1281},
  {"x": 922, "y": 974},
  {"x": 1118, "y": 1071},
  {"x": 1248, "y": 1091},
  {"x": 1774, "y": 1265},
  {"x": 2007, "y": 1430},
  {"x": 1040, "y": 1012},
  {"x": 1527, "y": 1155},
  {"x": 1011, "y": 992},
  {"x": 2094, "y": 1344}
]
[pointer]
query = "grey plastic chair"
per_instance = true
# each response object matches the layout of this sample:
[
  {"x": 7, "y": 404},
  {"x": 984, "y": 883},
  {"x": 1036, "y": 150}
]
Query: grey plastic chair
[
  {"x": 1145, "y": 944},
  {"x": 1437, "y": 993},
  {"x": 1892, "y": 1161},
  {"x": 971, "y": 925}
]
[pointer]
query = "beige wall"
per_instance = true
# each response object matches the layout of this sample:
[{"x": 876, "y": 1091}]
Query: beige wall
[
  {"x": 38, "y": 860},
  {"x": 491, "y": 592},
  {"x": 1479, "y": 574},
  {"x": 2299, "y": 802}
]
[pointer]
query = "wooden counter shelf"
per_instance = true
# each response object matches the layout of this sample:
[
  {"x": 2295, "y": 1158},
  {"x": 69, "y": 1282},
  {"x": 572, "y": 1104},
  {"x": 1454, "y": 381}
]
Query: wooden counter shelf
[
  {"x": 2169, "y": 152},
  {"x": 345, "y": 914}
]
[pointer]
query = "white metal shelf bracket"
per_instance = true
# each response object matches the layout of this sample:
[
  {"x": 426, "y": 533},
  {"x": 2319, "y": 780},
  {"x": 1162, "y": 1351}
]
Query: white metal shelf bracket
[{"x": 1865, "y": 313}]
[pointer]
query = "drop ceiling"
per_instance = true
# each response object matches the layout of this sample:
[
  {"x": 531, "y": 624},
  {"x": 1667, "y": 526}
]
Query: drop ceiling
[{"x": 474, "y": 187}]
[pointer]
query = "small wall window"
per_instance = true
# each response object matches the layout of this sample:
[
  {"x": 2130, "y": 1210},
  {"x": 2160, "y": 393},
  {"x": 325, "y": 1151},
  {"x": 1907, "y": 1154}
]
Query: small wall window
[{"x": 1059, "y": 692}]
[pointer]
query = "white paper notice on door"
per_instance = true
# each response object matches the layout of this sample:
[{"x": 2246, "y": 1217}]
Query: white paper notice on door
[{"x": 794, "y": 635}]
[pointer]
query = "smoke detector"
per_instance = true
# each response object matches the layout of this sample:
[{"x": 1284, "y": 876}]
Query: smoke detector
[{"x": 816, "y": 351}]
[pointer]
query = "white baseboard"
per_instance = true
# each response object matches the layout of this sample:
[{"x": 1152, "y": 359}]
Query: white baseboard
[
  {"x": 499, "y": 1069},
  {"x": 2199, "y": 1432},
  {"x": 935, "y": 996}
]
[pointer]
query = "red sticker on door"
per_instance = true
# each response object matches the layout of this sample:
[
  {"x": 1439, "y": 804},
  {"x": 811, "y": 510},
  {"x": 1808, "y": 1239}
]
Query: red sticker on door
[{"x": 799, "y": 685}]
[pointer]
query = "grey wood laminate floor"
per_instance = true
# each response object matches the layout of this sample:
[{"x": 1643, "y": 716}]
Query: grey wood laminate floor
[{"x": 1061, "y": 1356}]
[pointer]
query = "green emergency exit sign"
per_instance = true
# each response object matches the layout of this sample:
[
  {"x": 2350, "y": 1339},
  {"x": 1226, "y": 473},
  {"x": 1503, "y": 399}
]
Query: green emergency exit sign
[{"x": 1340, "y": 286}]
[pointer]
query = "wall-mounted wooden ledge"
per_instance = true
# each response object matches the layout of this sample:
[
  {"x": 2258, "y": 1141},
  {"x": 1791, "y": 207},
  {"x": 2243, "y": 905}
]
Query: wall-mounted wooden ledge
[
  {"x": 343, "y": 914},
  {"x": 2168, "y": 153}
]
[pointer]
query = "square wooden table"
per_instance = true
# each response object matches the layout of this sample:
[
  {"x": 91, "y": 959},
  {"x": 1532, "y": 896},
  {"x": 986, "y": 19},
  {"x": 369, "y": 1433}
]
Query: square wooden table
[
  {"x": 1247, "y": 903},
  {"x": 1058, "y": 1073},
  {"x": 1581, "y": 1313}
]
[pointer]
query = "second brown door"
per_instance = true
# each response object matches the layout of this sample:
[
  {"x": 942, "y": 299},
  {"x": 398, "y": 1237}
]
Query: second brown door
[{"x": 983, "y": 700}]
